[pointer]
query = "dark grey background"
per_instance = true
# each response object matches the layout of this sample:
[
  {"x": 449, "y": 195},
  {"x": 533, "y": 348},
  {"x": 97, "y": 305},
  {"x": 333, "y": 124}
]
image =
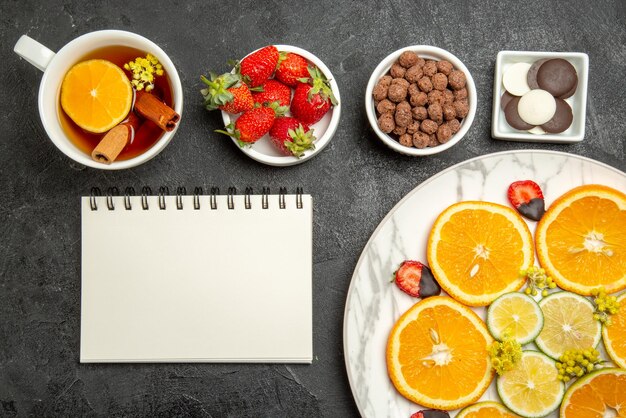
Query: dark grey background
[{"x": 355, "y": 181}]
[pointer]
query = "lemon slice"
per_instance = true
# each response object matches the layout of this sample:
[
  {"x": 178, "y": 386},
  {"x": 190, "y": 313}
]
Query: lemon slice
[
  {"x": 568, "y": 324},
  {"x": 517, "y": 315},
  {"x": 532, "y": 388}
]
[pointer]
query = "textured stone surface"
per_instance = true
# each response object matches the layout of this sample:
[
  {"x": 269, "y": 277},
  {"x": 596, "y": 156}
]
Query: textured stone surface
[{"x": 355, "y": 181}]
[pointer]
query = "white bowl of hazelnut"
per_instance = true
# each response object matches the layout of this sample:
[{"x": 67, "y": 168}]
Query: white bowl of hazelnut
[{"x": 420, "y": 100}]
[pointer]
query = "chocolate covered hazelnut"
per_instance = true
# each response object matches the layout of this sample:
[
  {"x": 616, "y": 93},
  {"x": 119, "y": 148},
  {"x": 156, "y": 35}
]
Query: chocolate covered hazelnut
[
  {"x": 420, "y": 61},
  {"x": 435, "y": 112},
  {"x": 406, "y": 140},
  {"x": 425, "y": 84},
  {"x": 430, "y": 68},
  {"x": 419, "y": 113},
  {"x": 444, "y": 133},
  {"x": 461, "y": 107},
  {"x": 419, "y": 99},
  {"x": 380, "y": 89},
  {"x": 440, "y": 81},
  {"x": 460, "y": 94},
  {"x": 397, "y": 92},
  {"x": 413, "y": 127},
  {"x": 399, "y": 130},
  {"x": 435, "y": 96},
  {"x": 385, "y": 106},
  {"x": 432, "y": 140},
  {"x": 448, "y": 96},
  {"x": 413, "y": 89},
  {"x": 449, "y": 112},
  {"x": 444, "y": 67},
  {"x": 429, "y": 126},
  {"x": 420, "y": 140},
  {"x": 454, "y": 125},
  {"x": 408, "y": 59},
  {"x": 456, "y": 79},
  {"x": 413, "y": 74},
  {"x": 400, "y": 81},
  {"x": 386, "y": 122},
  {"x": 403, "y": 114},
  {"x": 397, "y": 71}
]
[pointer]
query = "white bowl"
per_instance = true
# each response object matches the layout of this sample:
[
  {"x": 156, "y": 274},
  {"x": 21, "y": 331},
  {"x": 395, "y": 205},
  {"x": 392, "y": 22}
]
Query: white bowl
[
  {"x": 426, "y": 52},
  {"x": 500, "y": 129},
  {"x": 264, "y": 152}
]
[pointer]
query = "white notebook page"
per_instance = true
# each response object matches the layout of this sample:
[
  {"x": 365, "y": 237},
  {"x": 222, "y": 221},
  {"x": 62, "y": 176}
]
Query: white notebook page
[{"x": 197, "y": 285}]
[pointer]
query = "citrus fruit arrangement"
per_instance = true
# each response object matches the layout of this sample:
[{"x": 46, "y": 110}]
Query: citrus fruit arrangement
[{"x": 544, "y": 324}]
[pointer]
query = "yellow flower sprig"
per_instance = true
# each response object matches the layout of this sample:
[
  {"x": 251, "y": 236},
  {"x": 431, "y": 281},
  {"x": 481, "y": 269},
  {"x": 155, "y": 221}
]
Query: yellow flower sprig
[
  {"x": 144, "y": 71},
  {"x": 606, "y": 305},
  {"x": 577, "y": 363},
  {"x": 505, "y": 354}
]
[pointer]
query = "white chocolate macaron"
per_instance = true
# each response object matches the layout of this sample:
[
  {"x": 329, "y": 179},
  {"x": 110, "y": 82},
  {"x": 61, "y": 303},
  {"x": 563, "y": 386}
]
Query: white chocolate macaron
[
  {"x": 515, "y": 79},
  {"x": 536, "y": 107}
]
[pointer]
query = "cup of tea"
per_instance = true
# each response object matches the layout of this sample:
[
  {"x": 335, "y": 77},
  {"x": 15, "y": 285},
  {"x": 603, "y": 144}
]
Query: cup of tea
[{"x": 128, "y": 113}]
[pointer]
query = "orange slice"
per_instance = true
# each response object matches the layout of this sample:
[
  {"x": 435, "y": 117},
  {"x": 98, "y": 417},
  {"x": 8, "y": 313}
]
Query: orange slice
[
  {"x": 96, "y": 95},
  {"x": 486, "y": 409},
  {"x": 614, "y": 334},
  {"x": 476, "y": 250},
  {"x": 437, "y": 354},
  {"x": 598, "y": 395},
  {"x": 581, "y": 240}
]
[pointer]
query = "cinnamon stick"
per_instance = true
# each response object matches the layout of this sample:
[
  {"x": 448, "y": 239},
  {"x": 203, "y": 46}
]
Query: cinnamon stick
[
  {"x": 114, "y": 142},
  {"x": 151, "y": 108}
]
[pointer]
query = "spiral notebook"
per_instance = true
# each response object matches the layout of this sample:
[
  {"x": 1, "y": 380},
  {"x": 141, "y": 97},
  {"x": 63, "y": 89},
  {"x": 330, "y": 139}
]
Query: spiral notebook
[{"x": 196, "y": 278}]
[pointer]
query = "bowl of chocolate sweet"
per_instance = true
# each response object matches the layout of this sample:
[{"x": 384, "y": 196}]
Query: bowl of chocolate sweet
[
  {"x": 420, "y": 100},
  {"x": 108, "y": 99},
  {"x": 540, "y": 96}
]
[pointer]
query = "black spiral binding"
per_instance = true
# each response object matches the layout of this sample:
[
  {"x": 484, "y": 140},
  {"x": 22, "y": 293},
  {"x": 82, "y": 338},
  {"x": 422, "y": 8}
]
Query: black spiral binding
[
  {"x": 111, "y": 191},
  {"x": 196, "y": 197},
  {"x": 214, "y": 192},
  {"x": 130, "y": 191},
  {"x": 246, "y": 198},
  {"x": 180, "y": 192},
  {"x": 232, "y": 191},
  {"x": 146, "y": 191},
  {"x": 265, "y": 197}
]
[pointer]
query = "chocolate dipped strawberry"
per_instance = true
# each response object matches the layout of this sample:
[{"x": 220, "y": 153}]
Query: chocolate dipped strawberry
[
  {"x": 527, "y": 198},
  {"x": 312, "y": 98},
  {"x": 416, "y": 279}
]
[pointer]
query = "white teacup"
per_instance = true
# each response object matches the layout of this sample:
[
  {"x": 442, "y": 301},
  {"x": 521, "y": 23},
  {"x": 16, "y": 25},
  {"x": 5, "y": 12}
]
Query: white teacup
[{"x": 55, "y": 66}]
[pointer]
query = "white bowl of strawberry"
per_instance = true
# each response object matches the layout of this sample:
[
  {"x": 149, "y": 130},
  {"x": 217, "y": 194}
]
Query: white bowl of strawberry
[{"x": 280, "y": 104}]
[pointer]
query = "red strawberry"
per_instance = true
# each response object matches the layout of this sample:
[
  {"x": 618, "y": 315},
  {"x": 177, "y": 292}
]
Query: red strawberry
[
  {"x": 313, "y": 99},
  {"x": 291, "y": 137},
  {"x": 257, "y": 67},
  {"x": 416, "y": 279},
  {"x": 226, "y": 92},
  {"x": 291, "y": 68},
  {"x": 527, "y": 198},
  {"x": 253, "y": 124},
  {"x": 272, "y": 91}
]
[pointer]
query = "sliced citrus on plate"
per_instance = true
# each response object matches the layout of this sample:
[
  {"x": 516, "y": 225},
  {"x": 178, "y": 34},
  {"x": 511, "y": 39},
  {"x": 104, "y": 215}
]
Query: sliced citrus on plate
[
  {"x": 486, "y": 409},
  {"x": 437, "y": 354},
  {"x": 568, "y": 324},
  {"x": 600, "y": 394},
  {"x": 516, "y": 315},
  {"x": 476, "y": 250},
  {"x": 581, "y": 239},
  {"x": 96, "y": 95},
  {"x": 614, "y": 334},
  {"x": 532, "y": 387}
]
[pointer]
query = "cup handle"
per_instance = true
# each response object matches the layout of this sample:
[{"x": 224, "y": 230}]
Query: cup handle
[{"x": 33, "y": 52}]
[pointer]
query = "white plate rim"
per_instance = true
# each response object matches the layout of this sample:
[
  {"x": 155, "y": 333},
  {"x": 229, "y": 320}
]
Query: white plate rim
[{"x": 391, "y": 212}]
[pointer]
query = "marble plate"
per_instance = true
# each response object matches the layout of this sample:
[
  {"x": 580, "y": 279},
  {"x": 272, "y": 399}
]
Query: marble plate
[{"x": 373, "y": 304}]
